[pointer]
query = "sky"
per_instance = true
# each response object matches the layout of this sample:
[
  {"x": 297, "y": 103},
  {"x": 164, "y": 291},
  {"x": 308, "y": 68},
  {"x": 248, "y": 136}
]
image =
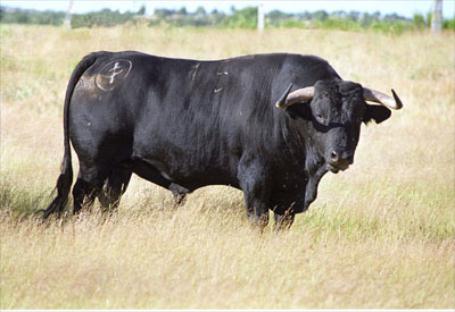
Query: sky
[{"x": 405, "y": 8}]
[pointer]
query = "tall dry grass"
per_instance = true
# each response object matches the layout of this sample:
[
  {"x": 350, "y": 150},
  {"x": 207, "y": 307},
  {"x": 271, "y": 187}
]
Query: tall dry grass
[{"x": 381, "y": 234}]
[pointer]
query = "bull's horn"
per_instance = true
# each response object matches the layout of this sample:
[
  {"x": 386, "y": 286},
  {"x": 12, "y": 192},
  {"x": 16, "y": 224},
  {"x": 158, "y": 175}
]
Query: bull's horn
[
  {"x": 381, "y": 98},
  {"x": 297, "y": 96}
]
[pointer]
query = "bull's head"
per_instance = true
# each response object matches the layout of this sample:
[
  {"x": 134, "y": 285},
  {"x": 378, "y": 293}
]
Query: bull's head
[{"x": 335, "y": 110}]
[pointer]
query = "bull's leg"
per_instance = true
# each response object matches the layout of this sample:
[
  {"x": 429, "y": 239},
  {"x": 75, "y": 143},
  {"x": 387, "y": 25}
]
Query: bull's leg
[
  {"x": 179, "y": 199},
  {"x": 83, "y": 194},
  {"x": 114, "y": 188},
  {"x": 258, "y": 212},
  {"x": 253, "y": 181},
  {"x": 87, "y": 187},
  {"x": 179, "y": 194},
  {"x": 147, "y": 171},
  {"x": 283, "y": 221}
]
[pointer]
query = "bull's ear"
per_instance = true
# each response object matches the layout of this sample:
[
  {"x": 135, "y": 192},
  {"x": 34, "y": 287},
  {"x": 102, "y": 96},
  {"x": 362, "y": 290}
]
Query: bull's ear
[
  {"x": 376, "y": 113},
  {"x": 301, "y": 110}
]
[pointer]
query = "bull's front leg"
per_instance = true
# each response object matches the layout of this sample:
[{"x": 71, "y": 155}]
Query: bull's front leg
[
  {"x": 253, "y": 180},
  {"x": 285, "y": 220}
]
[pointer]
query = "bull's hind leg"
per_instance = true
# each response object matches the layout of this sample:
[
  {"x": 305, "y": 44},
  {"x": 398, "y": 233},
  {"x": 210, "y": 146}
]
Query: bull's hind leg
[
  {"x": 88, "y": 186},
  {"x": 114, "y": 188},
  {"x": 146, "y": 170},
  {"x": 83, "y": 194}
]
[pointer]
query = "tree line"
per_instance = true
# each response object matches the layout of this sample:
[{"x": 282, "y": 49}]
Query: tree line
[{"x": 243, "y": 18}]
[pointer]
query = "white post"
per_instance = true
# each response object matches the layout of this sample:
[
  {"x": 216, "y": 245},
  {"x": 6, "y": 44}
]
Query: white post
[
  {"x": 436, "y": 18},
  {"x": 67, "y": 21},
  {"x": 261, "y": 17}
]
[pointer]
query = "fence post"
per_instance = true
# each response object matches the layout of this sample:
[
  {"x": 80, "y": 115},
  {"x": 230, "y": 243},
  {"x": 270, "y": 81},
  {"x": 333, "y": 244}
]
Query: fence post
[
  {"x": 436, "y": 18},
  {"x": 261, "y": 17},
  {"x": 67, "y": 21}
]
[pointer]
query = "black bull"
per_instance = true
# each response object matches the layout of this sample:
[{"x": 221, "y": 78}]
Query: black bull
[{"x": 185, "y": 124}]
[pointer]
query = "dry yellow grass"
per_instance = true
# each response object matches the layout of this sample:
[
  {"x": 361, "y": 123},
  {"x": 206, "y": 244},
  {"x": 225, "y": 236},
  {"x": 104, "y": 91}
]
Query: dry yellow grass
[{"x": 381, "y": 234}]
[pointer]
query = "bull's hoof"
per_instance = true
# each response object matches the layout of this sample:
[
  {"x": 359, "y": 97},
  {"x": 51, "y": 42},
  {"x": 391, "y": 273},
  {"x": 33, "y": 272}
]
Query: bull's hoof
[
  {"x": 46, "y": 213},
  {"x": 179, "y": 199},
  {"x": 43, "y": 213}
]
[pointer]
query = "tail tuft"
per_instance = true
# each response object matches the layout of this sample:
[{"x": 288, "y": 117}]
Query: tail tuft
[{"x": 63, "y": 187}]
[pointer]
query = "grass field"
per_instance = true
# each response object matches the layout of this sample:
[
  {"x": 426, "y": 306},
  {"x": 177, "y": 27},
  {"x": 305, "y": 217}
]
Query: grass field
[{"x": 381, "y": 234}]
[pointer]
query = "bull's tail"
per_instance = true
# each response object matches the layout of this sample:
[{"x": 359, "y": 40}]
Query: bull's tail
[{"x": 66, "y": 172}]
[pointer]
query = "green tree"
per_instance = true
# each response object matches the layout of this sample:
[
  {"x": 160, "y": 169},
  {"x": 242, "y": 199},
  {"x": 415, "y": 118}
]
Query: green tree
[
  {"x": 244, "y": 18},
  {"x": 419, "y": 21}
]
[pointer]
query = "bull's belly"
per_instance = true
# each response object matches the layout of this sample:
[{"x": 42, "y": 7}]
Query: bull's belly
[{"x": 182, "y": 172}]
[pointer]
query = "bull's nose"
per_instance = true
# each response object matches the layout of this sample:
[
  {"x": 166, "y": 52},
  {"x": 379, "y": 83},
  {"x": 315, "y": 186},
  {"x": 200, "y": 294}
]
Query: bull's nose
[
  {"x": 342, "y": 161},
  {"x": 334, "y": 157}
]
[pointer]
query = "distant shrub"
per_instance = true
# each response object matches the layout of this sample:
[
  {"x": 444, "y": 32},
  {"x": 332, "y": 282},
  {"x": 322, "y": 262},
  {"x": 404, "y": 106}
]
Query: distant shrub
[
  {"x": 291, "y": 23},
  {"x": 390, "y": 27},
  {"x": 418, "y": 21},
  {"x": 449, "y": 24},
  {"x": 338, "y": 23},
  {"x": 105, "y": 17},
  {"x": 31, "y": 17},
  {"x": 244, "y": 18}
]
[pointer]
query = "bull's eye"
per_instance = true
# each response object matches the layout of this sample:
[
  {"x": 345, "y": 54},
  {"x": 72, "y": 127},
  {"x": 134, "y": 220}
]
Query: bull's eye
[{"x": 320, "y": 118}]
